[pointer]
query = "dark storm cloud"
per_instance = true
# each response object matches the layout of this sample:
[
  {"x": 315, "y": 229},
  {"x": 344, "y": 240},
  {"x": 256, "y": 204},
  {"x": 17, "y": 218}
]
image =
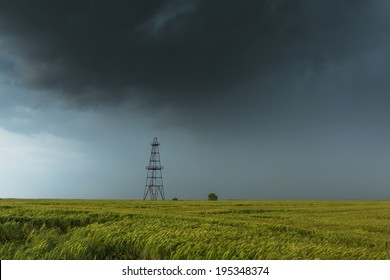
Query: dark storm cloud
[{"x": 177, "y": 52}]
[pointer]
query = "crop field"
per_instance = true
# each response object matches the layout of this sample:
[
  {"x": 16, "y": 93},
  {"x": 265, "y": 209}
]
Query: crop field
[{"x": 113, "y": 229}]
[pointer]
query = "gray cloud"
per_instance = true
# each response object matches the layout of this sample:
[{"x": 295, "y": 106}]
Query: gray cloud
[
  {"x": 285, "y": 99},
  {"x": 182, "y": 53}
]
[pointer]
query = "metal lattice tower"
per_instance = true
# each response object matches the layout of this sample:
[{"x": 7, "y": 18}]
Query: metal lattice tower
[{"x": 154, "y": 182}]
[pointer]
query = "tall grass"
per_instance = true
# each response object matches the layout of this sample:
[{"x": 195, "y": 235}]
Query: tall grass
[{"x": 87, "y": 229}]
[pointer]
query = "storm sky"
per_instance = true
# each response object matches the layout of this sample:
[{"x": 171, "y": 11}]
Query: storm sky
[{"x": 265, "y": 99}]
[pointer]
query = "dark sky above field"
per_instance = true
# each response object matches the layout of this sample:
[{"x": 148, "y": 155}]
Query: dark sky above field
[{"x": 265, "y": 99}]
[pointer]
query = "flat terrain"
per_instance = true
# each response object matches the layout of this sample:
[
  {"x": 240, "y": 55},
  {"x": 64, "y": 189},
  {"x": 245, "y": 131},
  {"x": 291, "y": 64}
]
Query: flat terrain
[{"x": 105, "y": 229}]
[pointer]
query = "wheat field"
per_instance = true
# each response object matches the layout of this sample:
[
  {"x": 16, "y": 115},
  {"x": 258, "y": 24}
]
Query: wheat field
[{"x": 119, "y": 229}]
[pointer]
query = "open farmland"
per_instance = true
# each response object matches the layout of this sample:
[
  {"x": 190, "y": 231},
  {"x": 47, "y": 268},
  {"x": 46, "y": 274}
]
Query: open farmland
[{"x": 105, "y": 229}]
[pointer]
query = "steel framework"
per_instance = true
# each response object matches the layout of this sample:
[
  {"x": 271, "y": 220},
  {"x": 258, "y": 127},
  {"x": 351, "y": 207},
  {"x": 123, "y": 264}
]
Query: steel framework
[{"x": 154, "y": 182}]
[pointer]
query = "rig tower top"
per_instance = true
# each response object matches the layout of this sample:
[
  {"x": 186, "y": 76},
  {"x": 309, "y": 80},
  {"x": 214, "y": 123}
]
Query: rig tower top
[{"x": 154, "y": 183}]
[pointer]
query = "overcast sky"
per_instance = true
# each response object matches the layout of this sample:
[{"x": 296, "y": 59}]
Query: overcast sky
[{"x": 264, "y": 99}]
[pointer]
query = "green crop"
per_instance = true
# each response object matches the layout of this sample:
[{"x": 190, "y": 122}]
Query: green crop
[{"x": 103, "y": 229}]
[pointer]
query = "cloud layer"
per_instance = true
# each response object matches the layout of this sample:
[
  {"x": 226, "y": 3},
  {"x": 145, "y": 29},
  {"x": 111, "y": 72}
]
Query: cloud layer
[
  {"x": 179, "y": 53},
  {"x": 255, "y": 99}
]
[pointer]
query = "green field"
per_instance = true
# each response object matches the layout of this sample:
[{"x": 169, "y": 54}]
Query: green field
[{"x": 108, "y": 229}]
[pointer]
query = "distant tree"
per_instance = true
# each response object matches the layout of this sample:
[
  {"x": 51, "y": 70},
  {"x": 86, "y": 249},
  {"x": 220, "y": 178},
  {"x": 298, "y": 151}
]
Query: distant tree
[
  {"x": 175, "y": 198},
  {"x": 213, "y": 196}
]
